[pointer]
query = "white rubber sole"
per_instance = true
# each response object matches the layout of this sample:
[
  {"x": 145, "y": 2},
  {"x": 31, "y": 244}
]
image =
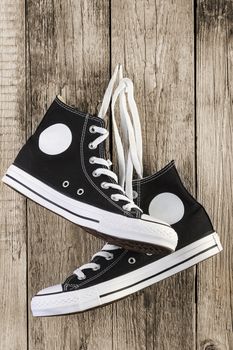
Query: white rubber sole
[
  {"x": 150, "y": 231},
  {"x": 117, "y": 288}
]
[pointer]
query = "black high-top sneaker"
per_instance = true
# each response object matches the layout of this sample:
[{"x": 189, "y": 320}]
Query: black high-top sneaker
[
  {"x": 114, "y": 273},
  {"x": 62, "y": 167}
]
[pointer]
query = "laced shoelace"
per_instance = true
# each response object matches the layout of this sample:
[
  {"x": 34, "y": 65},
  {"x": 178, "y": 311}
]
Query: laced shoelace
[
  {"x": 106, "y": 171},
  {"x": 134, "y": 157},
  {"x": 127, "y": 161},
  {"x": 105, "y": 253}
]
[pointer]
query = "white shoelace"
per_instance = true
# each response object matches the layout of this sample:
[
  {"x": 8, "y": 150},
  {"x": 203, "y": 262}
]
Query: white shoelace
[
  {"x": 94, "y": 266},
  {"x": 132, "y": 157},
  {"x": 131, "y": 131},
  {"x": 132, "y": 135},
  {"x": 127, "y": 161},
  {"x": 103, "y": 171}
]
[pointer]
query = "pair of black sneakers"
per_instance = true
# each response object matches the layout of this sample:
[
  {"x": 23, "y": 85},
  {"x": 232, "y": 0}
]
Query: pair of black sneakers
[{"x": 63, "y": 167}]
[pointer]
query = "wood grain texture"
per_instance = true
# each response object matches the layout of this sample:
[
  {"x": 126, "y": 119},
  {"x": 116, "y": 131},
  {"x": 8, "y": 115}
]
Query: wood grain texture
[
  {"x": 13, "y": 256},
  {"x": 68, "y": 53},
  {"x": 155, "y": 40},
  {"x": 214, "y": 165},
  {"x": 70, "y": 47}
]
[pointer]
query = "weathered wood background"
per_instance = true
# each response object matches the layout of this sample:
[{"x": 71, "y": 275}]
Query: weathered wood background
[{"x": 180, "y": 55}]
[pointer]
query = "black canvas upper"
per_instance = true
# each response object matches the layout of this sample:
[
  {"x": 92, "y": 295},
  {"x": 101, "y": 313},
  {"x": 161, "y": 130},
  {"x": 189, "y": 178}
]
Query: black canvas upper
[
  {"x": 73, "y": 164},
  {"x": 195, "y": 224}
]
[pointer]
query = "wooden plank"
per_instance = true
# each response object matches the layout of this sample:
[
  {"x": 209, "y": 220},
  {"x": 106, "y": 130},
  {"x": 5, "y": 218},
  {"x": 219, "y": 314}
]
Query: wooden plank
[
  {"x": 214, "y": 168},
  {"x": 154, "y": 41},
  {"x": 68, "y": 52},
  {"x": 13, "y": 257}
]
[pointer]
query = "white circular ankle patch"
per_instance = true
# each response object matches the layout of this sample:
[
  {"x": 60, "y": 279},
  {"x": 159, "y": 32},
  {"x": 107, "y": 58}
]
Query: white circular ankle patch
[
  {"x": 167, "y": 207},
  {"x": 55, "y": 139}
]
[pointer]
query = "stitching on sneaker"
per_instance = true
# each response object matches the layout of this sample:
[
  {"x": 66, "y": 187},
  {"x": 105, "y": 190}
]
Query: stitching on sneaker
[
  {"x": 81, "y": 114},
  {"x": 156, "y": 175}
]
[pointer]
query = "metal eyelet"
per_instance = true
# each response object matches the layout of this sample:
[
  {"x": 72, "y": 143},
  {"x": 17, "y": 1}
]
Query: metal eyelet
[
  {"x": 92, "y": 129},
  {"x": 135, "y": 194},
  {"x": 114, "y": 198},
  {"x": 92, "y": 160},
  {"x": 65, "y": 183},
  {"x": 90, "y": 146},
  {"x": 110, "y": 257},
  {"x": 96, "y": 268},
  {"x": 80, "y": 191},
  {"x": 131, "y": 260},
  {"x": 149, "y": 254},
  {"x": 95, "y": 174}
]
